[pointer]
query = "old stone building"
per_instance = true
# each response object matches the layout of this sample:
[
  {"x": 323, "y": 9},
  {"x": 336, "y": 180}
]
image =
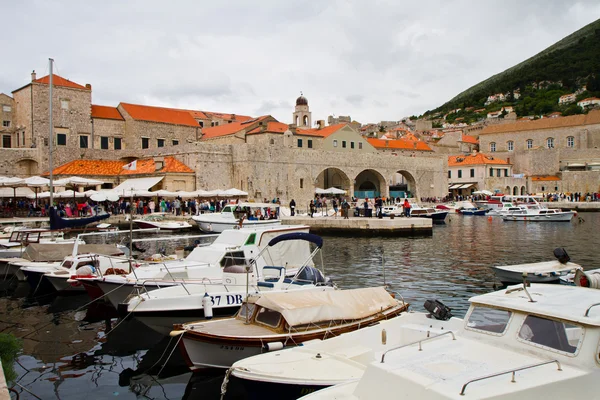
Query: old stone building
[
  {"x": 261, "y": 155},
  {"x": 7, "y": 118},
  {"x": 555, "y": 154},
  {"x": 477, "y": 171}
]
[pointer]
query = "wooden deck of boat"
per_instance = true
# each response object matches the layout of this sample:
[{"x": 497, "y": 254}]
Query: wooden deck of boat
[
  {"x": 361, "y": 226},
  {"x": 232, "y": 327}
]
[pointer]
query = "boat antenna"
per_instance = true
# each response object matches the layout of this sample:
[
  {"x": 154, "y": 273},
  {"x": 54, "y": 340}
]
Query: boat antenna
[{"x": 50, "y": 139}]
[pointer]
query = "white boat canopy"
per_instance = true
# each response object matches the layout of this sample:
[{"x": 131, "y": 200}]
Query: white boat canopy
[
  {"x": 138, "y": 184},
  {"x": 304, "y": 307}
]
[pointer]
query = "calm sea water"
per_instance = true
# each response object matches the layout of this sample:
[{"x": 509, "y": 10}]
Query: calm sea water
[{"x": 68, "y": 353}]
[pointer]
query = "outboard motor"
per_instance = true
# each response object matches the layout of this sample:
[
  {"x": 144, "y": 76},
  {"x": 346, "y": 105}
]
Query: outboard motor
[
  {"x": 561, "y": 255},
  {"x": 312, "y": 275},
  {"x": 438, "y": 310}
]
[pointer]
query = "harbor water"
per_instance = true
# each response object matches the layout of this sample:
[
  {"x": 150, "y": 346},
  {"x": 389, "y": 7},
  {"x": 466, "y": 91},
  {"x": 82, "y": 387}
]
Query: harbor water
[{"x": 72, "y": 350}]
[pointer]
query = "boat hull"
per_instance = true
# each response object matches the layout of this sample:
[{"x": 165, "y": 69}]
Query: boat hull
[
  {"x": 163, "y": 321},
  {"x": 117, "y": 293},
  {"x": 563, "y": 217},
  {"x": 211, "y": 355},
  {"x": 162, "y": 227},
  {"x": 256, "y": 389},
  {"x": 220, "y": 226},
  {"x": 63, "y": 284},
  {"x": 477, "y": 212}
]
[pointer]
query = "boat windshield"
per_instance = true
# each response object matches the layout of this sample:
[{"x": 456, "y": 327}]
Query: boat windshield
[
  {"x": 490, "y": 320},
  {"x": 552, "y": 334},
  {"x": 268, "y": 317},
  {"x": 246, "y": 310}
]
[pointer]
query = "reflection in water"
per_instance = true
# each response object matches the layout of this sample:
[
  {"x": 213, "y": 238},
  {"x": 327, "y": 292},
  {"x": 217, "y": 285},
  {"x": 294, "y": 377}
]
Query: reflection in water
[{"x": 70, "y": 350}]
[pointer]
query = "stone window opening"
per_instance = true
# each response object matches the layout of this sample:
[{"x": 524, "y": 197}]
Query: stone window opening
[
  {"x": 175, "y": 142},
  {"x": 491, "y": 172},
  {"x": 145, "y": 142},
  {"x": 506, "y": 173},
  {"x": 343, "y": 144},
  {"x": 61, "y": 139},
  {"x": 460, "y": 173},
  {"x": 299, "y": 142},
  {"x": 493, "y": 147},
  {"x": 83, "y": 141},
  {"x": 64, "y": 104},
  {"x": 472, "y": 172},
  {"x": 160, "y": 142},
  {"x": 117, "y": 143},
  {"x": 360, "y": 145},
  {"x": 498, "y": 172},
  {"x": 550, "y": 143},
  {"x": 335, "y": 143},
  {"x": 301, "y": 183},
  {"x": 449, "y": 174},
  {"x": 529, "y": 144},
  {"x": 104, "y": 142},
  {"x": 272, "y": 141},
  {"x": 351, "y": 145},
  {"x": 570, "y": 142},
  {"x": 6, "y": 124},
  {"x": 6, "y": 141},
  {"x": 510, "y": 145},
  {"x": 6, "y": 108},
  {"x": 309, "y": 143}
]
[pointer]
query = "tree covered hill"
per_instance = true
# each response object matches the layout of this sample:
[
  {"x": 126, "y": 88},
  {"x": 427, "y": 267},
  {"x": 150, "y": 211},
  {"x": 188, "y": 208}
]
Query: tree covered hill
[{"x": 562, "y": 68}]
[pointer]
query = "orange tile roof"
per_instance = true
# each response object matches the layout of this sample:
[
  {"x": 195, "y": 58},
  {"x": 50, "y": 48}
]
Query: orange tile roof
[
  {"x": 160, "y": 114},
  {"x": 475, "y": 159},
  {"x": 545, "y": 178},
  {"x": 399, "y": 144},
  {"x": 115, "y": 168},
  {"x": 469, "y": 139},
  {"x": 60, "y": 81},
  {"x": 147, "y": 166},
  {"x": 198, "y": 114},
  {"x": 105, "y": 112},
  {"x": 230, "y": 129},
  {"x": 272, "y": 127},
  {"x": 233, "y": 117},
  {"x": 593, "y": 117},
  {"x": 323, "y": 132}
]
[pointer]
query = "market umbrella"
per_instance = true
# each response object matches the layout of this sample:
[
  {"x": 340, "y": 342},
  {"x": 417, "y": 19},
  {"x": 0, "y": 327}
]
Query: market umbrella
[
  {"x": 320, "y": 191},
  {"x": 75, "y": 182},
  {"x": 37, "y": 182},
  {"x": 13, "y": 182},
  {"x": 334, "y": 190},
  {"x": 107, "y": 195},
  {"x": 233, "y": 192}
]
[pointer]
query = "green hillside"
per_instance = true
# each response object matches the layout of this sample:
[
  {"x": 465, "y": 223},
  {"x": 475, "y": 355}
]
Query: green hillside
[{"x": 571, "y": 63}]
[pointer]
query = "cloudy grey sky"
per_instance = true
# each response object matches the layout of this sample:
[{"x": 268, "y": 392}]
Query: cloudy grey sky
[{"x": 374, "y": 60}]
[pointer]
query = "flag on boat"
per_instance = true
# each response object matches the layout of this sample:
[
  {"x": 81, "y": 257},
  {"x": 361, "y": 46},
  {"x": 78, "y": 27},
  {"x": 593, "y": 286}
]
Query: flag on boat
[{"x": 131, "y": 166}]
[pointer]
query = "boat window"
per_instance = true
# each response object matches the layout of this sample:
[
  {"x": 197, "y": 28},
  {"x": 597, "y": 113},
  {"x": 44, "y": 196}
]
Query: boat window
[
  {"x": 67, "y": 264},
  {"x": 227, "y": 209},
  {"x": 247, "y": 309},
  {"x": 251, "y": 239},
  {"x": 233, "y": 258},
  {"x": 556, "y": 335},
  {"x": 491, "y": 320},
  {"x": 268, "y": 317}
]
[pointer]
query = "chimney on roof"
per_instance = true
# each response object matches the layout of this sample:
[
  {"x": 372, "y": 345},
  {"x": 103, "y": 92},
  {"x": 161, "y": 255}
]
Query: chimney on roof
[
  {"x": 321, "y": 124},
  {"x": 33, "y": 76},
  {"x": 88, "y": 86},
  {"x": 292, "y": 128}
]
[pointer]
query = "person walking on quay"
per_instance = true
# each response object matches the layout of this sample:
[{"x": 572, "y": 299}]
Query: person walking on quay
[
  {"x": 311, "y": 206},
  {"x": 177, "y": 206},
  {"x": 151, "y": 206},
  {"x": 406, "y": 207},
  {"x": 345, "y": 209},
  {"x": 335, "y": 207},
  {"x": 293, "y": 207}
]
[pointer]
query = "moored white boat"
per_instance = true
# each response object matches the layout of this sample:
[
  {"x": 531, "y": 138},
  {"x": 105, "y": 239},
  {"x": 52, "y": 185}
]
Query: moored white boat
[
  {"x": 541, "y": 272},
  {"x": 322, "y": 363},
  {"x": 236, "y": 215},
  {"x": 542, "y": 215},
  {"x": 204, "y": 264},
  {"x": 162, "y": 222},
  {"x": 536, "y": 342},
  {"x": 273, "y": 321},
  {"x": 162, "y": 308}
]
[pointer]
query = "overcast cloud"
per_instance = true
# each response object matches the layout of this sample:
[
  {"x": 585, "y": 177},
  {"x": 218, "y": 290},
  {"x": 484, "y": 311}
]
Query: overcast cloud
[{"x": 373, "y": 60}]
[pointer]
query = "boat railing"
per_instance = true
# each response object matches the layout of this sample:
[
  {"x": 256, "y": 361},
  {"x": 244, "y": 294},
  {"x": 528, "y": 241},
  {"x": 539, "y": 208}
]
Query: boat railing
[
  {"x": 587, "y": 312},
  {"x": 419, "y": 342},
  {"x": 510, "y": 371}
]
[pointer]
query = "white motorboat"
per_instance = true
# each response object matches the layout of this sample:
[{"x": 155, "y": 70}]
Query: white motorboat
[
  {"x": 541, "y": 215},
  {"x": 322, "y": 363},
  {"x": 278, "y": 320},
  {"x": 539, "y": 342},
  {"x": 237, "y": 215},
  {"x": 20, "y": 239},
  {"x": 203, "y": 264},
  {"x": 162, "y": 222},
  {"x": 541, "y": 272},
  {"x": 162, "y": 308}
]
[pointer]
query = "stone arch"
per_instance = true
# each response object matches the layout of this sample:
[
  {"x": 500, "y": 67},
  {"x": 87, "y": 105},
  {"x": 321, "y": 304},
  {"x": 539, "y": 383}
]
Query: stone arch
[
  {"x": 523, "y": 190},
  {"x": 272, "y": 141},
  {"x": 403, "y": 181},
  {"x": 333, "y": 177},
  {"x": 507, "y": 190},
  {"x": 516, "y": 191},
  {"x": 305, "y": 120},
  {"x": 296, "y": 120},
  {"x": 27, "y": 167},
  {"x": 370, "y": 183}
]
